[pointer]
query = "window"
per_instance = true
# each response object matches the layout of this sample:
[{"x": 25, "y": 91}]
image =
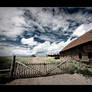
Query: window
[
  {"x": 90, "y": 55},
  {"x": 80, "y": 56}
]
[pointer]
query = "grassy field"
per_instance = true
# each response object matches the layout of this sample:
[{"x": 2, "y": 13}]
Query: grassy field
[
  {"x": 29, "y": 59},
  {"x": 23, "y": 59},
  {"x": 5, "y": 62},
  {"x": 48, "y": 59}
]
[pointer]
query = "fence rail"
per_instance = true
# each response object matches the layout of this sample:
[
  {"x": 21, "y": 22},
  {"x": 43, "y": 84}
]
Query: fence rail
[{"x": 5, "y": 70}]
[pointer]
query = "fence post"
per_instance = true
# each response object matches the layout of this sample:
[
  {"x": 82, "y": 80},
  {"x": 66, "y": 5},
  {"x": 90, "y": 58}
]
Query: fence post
[
  {"x": 45, "y": 69},
  {"x": 13, "y": 66}
]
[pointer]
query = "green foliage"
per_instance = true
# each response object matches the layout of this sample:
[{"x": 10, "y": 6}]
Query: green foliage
[
  {"x": 79, "y": 67},
  {"x": 5, "y": 62}
]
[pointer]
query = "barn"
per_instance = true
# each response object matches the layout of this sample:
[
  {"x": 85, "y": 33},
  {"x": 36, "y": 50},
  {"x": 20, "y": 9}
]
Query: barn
[{"x": 80, "y": 49}]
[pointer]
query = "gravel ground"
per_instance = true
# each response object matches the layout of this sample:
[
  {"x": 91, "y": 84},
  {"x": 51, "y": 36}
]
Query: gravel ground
[{"x": 64, "y": 79}]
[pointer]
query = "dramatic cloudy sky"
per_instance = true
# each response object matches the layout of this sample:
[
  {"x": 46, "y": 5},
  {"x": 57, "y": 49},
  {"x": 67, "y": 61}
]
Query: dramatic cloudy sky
[{"x": 41, "y": 30}]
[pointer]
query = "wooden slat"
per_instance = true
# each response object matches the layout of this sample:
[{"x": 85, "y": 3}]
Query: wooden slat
[
  {"x": 27, "y": 66},
  {"x": 56, "y": 67}
]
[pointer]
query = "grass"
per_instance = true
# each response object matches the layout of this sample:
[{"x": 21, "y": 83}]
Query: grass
[
  {"x": 28, "y": 59},
  {"x": 23, "y": 59},
  {"x": 48, "y": 59},
  {"x": 5, "y": 62}
]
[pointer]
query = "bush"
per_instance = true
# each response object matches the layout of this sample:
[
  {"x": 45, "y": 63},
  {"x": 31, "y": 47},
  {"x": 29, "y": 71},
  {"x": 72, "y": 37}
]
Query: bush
[
  {"x": 72, "y": 69},
  {"x": 85, "y": 71},
  {"x": 78, "y": 67}
]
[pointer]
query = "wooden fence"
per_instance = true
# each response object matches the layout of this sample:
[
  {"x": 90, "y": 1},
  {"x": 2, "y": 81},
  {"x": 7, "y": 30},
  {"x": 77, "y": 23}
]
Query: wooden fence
[
  {"x": 38, "y": 70},
  {"x": 21, "y": 70},
  {"x": 5, "y": 72}
]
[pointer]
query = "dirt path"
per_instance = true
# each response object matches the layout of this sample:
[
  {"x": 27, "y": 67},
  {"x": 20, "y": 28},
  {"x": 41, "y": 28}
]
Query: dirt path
[{"x": 64, "y": 79}]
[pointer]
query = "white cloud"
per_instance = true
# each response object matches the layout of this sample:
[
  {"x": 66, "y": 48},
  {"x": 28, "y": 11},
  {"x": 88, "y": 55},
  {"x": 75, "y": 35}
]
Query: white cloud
[
  {"x": 10, "y": 22},
  {"x": 7, "y": 49},
  {"x": 48, "y": 37},
  {"x": 47, "y": 19},
  {"x": 21, "y": 51},
  {"x": 29, "y": 41},
  {"x": 42, "y": 47},
  {"x": 2, "y": 39},
  {"x": 48, "y": 48},
  {"x": 18, "y": 20},
  {"x": 56, "y": 48},
  {"x": 82, "y": 29},
  {"x": 13, "y": 33},
  {"x": 12, "y": 19}
]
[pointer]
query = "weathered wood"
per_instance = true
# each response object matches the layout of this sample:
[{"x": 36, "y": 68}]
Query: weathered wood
[
  {"x": 28, "y": 67},
  {"x": 39, "y": 69},
  {"x": 13, "y": 66},
  {"x": 56, "y": 67},
  {"x": 5, "y": 70}
]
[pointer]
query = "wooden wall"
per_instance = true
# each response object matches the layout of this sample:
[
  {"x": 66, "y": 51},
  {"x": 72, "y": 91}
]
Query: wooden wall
[{"x": 83, "y": 49}]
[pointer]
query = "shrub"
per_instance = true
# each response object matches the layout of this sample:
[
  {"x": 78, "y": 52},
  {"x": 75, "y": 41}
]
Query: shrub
[{"x": 78, "y": 67}]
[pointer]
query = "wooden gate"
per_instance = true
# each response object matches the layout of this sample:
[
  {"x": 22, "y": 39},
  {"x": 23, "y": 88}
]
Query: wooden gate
[{"x": 21, "y": 70}]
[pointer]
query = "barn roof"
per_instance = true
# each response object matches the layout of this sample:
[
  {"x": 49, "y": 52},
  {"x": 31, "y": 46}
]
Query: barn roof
[{"x": 82, "y": 39}]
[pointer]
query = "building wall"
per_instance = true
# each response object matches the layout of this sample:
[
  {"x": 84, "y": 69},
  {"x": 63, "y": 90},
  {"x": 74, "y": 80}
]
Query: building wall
[{"x": 83, "y": 49}]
